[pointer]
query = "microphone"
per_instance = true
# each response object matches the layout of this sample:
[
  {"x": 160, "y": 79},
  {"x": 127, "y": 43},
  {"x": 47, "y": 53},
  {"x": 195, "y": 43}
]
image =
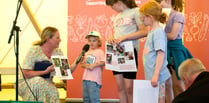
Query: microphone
[{"x": 84, "y": 50}]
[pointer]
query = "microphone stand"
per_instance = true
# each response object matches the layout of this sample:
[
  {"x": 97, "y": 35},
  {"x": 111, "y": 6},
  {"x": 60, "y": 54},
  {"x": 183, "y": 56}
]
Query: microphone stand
[{"x": 16, "y": 30}]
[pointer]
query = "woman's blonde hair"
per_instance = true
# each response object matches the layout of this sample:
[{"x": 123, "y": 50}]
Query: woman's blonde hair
[
  {"x": 154, "y": 9},
  {"x": 48, "y": 32}
]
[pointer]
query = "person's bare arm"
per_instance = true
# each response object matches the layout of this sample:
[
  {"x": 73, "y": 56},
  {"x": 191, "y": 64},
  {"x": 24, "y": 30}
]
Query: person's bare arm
[
  {"x": 174, "y": 31},
  {"x": 158, "y": 66},
  {"x": 97, "y": 64},
  {"x": 143, "y": 31},
  {"x": 74, "y": 65}
]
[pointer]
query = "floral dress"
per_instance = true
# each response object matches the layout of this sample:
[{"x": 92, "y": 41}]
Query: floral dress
[{"x": 41, "y": 89}]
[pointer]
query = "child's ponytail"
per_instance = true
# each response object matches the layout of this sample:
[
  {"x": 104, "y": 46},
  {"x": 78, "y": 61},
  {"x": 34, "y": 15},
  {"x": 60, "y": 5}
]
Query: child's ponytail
[{"x": 163, "y": 18}]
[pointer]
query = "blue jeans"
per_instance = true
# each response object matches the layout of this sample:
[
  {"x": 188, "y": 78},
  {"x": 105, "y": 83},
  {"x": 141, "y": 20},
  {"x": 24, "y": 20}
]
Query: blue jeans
[{"x": 91, "y": 92}]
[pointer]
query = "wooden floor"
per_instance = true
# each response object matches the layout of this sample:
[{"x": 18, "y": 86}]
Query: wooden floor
[{"x": 8, "y": 92}]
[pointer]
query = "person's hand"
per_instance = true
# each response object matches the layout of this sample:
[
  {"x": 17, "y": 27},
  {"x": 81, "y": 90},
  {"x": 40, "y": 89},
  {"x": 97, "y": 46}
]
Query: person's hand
[
  {"x": 154, "y": 81},
  {"x": 111, "y": 39},
  {"x": 49, "y": 69},
  {"x": 82, "y": 58},
  {"x": 89, "y": 66},
  {"x": 119, "y": 40}
]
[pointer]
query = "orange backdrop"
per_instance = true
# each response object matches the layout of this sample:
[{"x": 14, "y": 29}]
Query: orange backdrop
[{"x": 87, "y": 15}]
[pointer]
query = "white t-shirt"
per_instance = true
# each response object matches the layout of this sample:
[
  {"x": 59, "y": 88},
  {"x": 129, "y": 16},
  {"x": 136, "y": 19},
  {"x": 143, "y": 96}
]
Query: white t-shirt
[{"x": 127, "y": 22}]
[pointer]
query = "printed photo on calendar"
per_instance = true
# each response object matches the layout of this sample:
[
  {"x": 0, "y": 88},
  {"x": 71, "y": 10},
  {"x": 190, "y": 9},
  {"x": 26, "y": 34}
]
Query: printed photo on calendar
[
  {"x": 62, "y": 67},
  {"x": 119, "y": 57}
]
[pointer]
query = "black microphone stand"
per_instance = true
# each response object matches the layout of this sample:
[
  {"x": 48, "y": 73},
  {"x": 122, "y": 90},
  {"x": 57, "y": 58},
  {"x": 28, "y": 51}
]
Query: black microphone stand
[{"x": 16, "y": 30}]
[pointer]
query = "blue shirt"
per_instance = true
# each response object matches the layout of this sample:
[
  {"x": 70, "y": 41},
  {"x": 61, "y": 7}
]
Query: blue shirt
[{"x": 156, "y": 40}]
